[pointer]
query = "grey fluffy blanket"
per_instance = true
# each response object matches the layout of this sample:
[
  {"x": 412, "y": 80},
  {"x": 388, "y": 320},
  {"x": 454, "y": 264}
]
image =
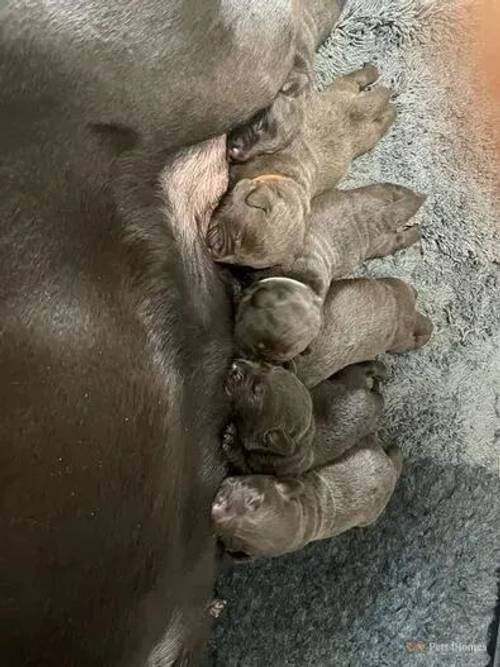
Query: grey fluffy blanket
[{"x": 426, "y": 573}]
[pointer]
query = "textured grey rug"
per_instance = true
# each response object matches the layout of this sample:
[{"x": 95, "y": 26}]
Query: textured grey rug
[{"x": 427, "y": 572}]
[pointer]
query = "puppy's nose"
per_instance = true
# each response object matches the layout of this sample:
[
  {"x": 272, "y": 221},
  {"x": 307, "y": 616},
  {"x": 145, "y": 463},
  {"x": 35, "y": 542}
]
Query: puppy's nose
[
  {"x": 236, "y": 374},
  {"x": 235, "y": 152},
  {"x": 235, "y": 378}
]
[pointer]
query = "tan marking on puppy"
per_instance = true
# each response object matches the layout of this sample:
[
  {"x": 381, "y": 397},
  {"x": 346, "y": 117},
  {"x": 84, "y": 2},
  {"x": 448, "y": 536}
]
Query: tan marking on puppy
[
  {"x": 263, "y": 178},
  {"x": 259, "y": 515}
]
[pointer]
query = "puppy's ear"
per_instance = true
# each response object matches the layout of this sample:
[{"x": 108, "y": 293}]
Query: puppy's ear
[
  {"x": 278, "y": 441},
  {"x": 260, "y": 197},
  {"x": 290, "y": 488},
  {"x": 394, "y": 204}
]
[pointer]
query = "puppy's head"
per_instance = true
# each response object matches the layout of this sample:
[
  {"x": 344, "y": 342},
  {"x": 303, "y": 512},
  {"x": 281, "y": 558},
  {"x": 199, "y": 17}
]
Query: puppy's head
[
  {"x": 259, "y": 224},
  {"x": 277, "y": 319},
  {"x": 254, "y": 515},
  {"x": 272, "y": 409},
  {"x": 268, "y": 131}
]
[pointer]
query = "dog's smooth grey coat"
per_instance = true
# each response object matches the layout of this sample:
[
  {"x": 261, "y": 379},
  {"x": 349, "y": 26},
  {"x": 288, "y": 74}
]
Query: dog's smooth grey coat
[
  {"x": 262, "y": 221},
  {"x": 279, "y": 428},
  {"x": 116, "y": 327},
  {"x": 279, "y": 316},
  {"x": 259, "y": 515},
  {"x": 362, "y": 319}
]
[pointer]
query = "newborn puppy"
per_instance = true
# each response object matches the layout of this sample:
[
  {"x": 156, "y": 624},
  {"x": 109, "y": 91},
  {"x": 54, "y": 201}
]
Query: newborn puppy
[
  {"x": 278, "y": 317},
  {"x": 346, "y": 228},
  {"x": 279, "y": 428},
  {"x": 362, "y": 318},
  {"x": 274, "y": 128},
  {"x": 272, "y": 426},
  {"x": 261, "y": 222},
  {"x": 259, "y": 515}
]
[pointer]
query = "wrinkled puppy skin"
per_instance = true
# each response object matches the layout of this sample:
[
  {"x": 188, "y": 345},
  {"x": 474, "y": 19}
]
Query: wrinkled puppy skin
[
  {"x": 363, "y": 318},
  {"x": 261, "y": 222},
  {"x": 272, "y": 424},
  {"x": 279, "y": 428},
  {"x": 260, "y": 515},
  {"x": 278, "y": 317},
  {"x": 273, "y": 128},
  {"x": 347, "y": 408}
]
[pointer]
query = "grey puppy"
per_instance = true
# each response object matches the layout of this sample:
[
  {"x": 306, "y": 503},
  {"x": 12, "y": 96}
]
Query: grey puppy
[
  {"x": 260, "y": 515},
  {"x": 273, "y": 128},
  {"x": 261, "y": 222},
  {"x": 278, "y": 427},
  {"x": 361, "y": 319},
  {"x": 278, "y": 317}
]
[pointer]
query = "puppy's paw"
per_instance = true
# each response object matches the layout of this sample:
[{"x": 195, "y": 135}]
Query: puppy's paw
[
  {"x": 365, "y": 375},
  {"x": 423, "y": 330},
  {"x": 371, "y": 114},
  {"x": 376, "y": 371},
  {"x": 404, "y": 238},
  {"x": 385, "y": 119},
  {"x": 359, "y": 79},
  {"x": 370, "y": 105}
]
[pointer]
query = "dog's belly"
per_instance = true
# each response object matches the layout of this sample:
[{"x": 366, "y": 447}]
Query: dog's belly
[
  {"x": 112, "y": 357},
  {"x": 112, "y": 406}
]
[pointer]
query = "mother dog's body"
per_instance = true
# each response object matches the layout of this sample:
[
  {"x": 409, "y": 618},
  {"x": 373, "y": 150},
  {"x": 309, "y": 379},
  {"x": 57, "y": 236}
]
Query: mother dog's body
[{"x": 115, "y": 331}]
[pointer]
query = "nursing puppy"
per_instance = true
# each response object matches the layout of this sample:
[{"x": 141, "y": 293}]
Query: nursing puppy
[
  {"x": 260, "y": 515},
  {"x": 278, "y": 317},
  {"x": 273, "y": 128},
  {"x": 261, "y": 222},
  {"x": 361, "y": 319},
  {"x": 278, "y": 427}
]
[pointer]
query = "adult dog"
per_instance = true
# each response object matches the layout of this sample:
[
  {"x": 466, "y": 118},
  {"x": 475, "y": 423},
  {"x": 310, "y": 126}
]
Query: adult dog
[{"x": 115, "y": 328}]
